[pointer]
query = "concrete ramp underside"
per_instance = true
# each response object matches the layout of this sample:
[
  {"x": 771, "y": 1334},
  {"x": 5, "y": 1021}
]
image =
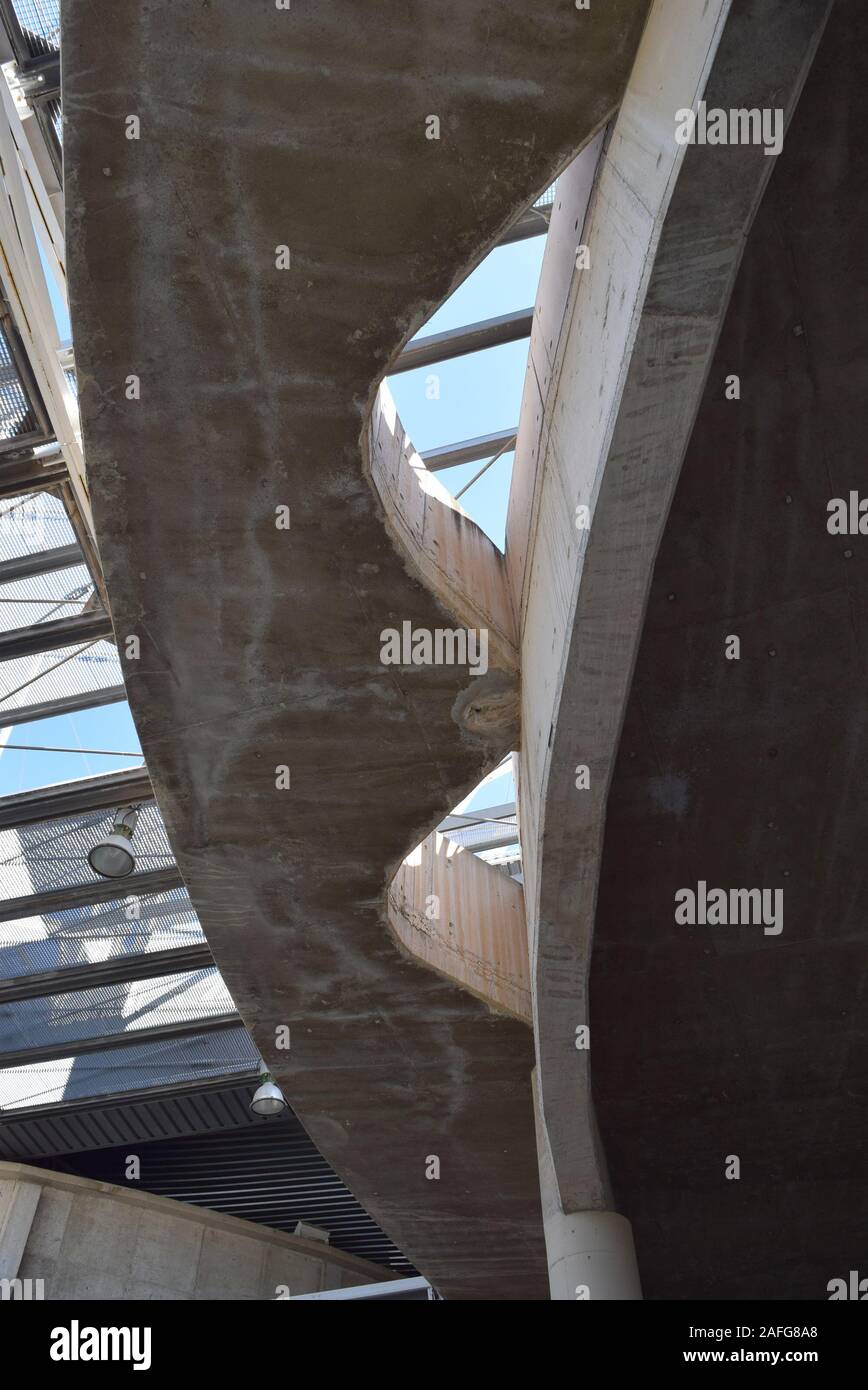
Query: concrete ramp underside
[
  {"x": 719, "y": 1040},
  {"x": 260, "y": 647}
]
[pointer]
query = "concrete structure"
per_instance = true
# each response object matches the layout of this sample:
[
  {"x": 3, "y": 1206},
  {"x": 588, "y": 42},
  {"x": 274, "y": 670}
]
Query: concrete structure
[
  {"x": 465, "y": 920},
  {"x": 172, "y": 259},
  {"x": 620, "y": 362},
  {"x": 535, "y": 1085},
  {"x": 87, "y": 1240},
  {"x": 750, "y": 772}
]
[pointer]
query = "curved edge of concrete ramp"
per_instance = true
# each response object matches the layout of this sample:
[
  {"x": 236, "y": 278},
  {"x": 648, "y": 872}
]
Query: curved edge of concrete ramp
[
  {"x": 464, "y": 919},
  {"x": 743, "y": 1040},
  {"x": 263, "y": 129},
  {"x": 636, "y": 342}
]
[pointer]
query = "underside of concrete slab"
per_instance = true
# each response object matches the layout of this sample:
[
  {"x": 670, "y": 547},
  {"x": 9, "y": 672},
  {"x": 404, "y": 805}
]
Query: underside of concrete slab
[{"x": 285, "y": 221}]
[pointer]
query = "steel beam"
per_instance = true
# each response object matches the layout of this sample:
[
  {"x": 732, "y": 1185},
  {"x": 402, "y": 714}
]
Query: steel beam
[
  {"x": 162, "y": 1032},
  {"x": 468, "y": 451},
  {"x": 30, "y": 474},
  {"x": 465, "y": 820},
  {"x": 533, "y": 222},
  {"x": 490, "y": 817},
  {"x": 100, "y": 793},
  {"x": 42, "y": 562},
  {"x": 457, "y": 342},
  {"x": 48, "y": 637},
  {"x": 39, "y": 78},
  {"x": 119, "y": 970},
  {"x": 65, "y": 704},
  {"x": 86, "y": 894}
]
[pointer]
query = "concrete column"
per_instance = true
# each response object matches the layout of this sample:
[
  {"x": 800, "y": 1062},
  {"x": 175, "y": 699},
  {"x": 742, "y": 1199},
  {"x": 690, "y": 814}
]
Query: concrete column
[{"x": 591, "y": 1255}]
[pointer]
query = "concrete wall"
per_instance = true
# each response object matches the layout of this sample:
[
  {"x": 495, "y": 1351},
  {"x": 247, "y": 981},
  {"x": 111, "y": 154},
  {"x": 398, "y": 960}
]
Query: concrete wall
[
  {"x": 444, "y": 546},
  {"x": 478, "y": 937},
  {"x": 625, "y": 362},
  {"x": 92, "y": 1240}
]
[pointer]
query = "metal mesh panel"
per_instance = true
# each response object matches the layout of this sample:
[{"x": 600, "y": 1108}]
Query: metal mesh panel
[
  {"x": 32, "y": 523},
  {"x": 30, "y": 680},
  {"x": 111, "y": 1009},
  {"x": 130, "y": 1068},
  {"x": 51, "y": 855},
  {"x": 470, "y": 836},
  {"x": 18, "y": 424},
  {"x": 40, "y": 24},
  {"x": 83, "y": 935},
  {"x": 546, "y": 200},
  {"x": 44, "y": 598}
]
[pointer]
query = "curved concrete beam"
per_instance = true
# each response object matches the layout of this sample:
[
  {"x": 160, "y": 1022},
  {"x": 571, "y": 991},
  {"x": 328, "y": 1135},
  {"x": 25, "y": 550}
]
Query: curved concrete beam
[
  {"x": 666, "y": 229},
  {"x": 444, "y": 547},
  {"x": 260, "y": 648},
  {"x": 464, "y": 919}
]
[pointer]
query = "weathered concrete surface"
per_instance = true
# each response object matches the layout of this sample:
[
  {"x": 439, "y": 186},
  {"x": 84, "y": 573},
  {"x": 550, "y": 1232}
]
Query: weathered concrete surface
[
  {"x": 93, "y": 1240},
  {"x": 665, "y": 228},
  {"x": 306, "y": 128},
  {"x": 464, "y": 919},
  {"x": 711, "y": 1041},
  {"x": 443, "y": 546}
]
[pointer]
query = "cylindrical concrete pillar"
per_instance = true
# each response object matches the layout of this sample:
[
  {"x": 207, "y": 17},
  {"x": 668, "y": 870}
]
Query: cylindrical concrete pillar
[{"x": 591, "y": 1256}]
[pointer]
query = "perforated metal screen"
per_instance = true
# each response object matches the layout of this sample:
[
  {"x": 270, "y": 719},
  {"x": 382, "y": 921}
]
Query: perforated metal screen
[
  {"x": 40, "y": 24},
  {"x": 48, "y": 855},
  {"x": 103, "y": 932}
]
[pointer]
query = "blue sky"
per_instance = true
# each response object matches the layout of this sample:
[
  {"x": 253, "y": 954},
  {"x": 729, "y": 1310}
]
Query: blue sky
[{"x": 479, "y": 393}]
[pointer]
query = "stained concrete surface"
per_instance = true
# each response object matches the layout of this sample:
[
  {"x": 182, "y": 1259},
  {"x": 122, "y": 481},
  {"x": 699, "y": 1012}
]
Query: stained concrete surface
[
  {"x": 620, "y": 384},
  {"x": 260, "y": 648},
  {"x": 712, "y": 1041},
  {"x": 93, "y": 1240}
]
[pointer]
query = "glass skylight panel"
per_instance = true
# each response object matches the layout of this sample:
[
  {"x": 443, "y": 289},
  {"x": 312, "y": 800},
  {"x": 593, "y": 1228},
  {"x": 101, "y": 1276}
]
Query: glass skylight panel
[
  {"x": 58, "y": 674},
  {"x": 48, "y": 855},
  {"x": 44, "y": 598},
  {"x": 110, "y": 1009},
  {"x": 31, "y": 523},
  {"x": 104, "y": 931}
]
